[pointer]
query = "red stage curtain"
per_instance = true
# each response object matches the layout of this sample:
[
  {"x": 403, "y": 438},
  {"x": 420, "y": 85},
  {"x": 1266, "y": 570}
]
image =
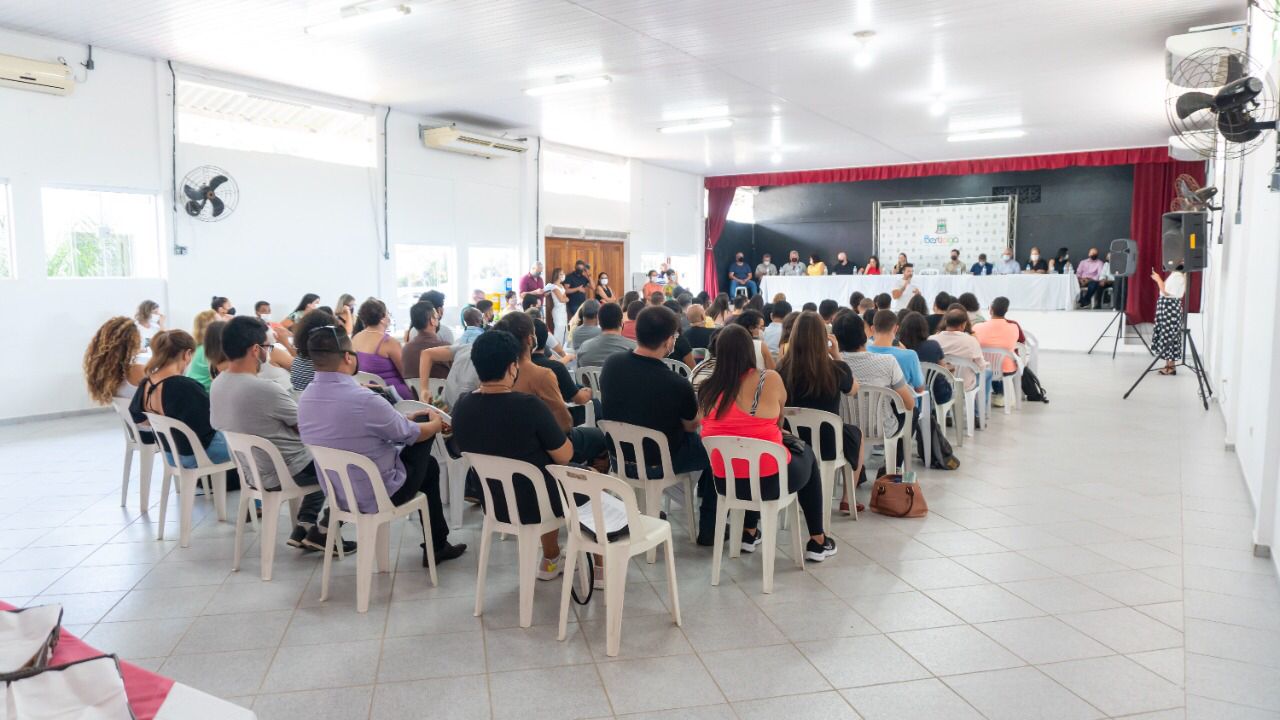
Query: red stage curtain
[
  {"x": 1097, "y": 158},
  {"x": 718, "y": 202},
  {"x": 1153, "y": 190}
]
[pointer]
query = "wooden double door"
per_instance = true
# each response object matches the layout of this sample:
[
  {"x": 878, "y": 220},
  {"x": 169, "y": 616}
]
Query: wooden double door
[{"x": 603, "y": 256}]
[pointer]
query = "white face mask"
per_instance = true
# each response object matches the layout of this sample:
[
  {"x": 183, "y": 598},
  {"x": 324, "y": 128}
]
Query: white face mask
[
  {"x": 265, "y": 317},
  {"x": 604, "y": 281},
  {"x": 1034, "y": 257},
  {"x": 155, "y": 318},
  {"x": 1005, "y": 257}
]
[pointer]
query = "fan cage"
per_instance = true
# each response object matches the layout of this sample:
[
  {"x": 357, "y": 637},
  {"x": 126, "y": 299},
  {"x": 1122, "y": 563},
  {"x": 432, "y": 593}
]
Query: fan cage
[
  {"x": 228, "y": 192},
  {"x": 1206, "y": 71}
]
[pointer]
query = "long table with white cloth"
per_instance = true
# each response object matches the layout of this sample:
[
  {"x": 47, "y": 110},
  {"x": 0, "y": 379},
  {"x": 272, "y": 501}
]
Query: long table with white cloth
[{"x": 1025, "y": 292}]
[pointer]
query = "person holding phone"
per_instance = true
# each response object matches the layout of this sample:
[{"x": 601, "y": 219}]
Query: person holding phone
[{"x": 1166, "y": 341}]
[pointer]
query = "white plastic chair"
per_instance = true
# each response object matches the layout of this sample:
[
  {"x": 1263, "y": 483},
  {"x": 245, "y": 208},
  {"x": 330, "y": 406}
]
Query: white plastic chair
[
  {"x": 589, "y": 412},
  {"x": 932, "y": 372},
  {"x": 1032, "y": 354},
  {"x": 372, "y": 529},
  {"x": 644, "y": 535},
  {"x": 242, "y": 448},
  {"x": 453, "y": 471},
  {"x": 975, "y": 404},
  {"x": 364, "y": 378},
  {"x": 415, "y": 384},
  {"x": 146, "y": 456},
  {"x": 654, "y": 490},
  {"x": 528, "y": 536},
  {"x": 806, "y": 424},
  {"x": 1012, "y": 383},
  {"x": 167, "y": 430},
  {"x": 589, "y": 377},
  {"x": 869, "y": 409},
  {"x": 677, "y": 367},
  {"x": 751, "y": 451},
  {"x": 435, "y": 386}
]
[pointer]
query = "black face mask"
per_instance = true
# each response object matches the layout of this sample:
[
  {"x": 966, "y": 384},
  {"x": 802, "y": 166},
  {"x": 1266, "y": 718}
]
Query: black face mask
[
  {"x": 232, "y": 311},
  {"x": 1093, "y": 256},
  {"x": 739, "y": 258}
]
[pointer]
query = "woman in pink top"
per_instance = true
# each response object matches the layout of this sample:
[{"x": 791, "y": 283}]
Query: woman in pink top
[
  {"x": 740, "y": 401},
  {"x": 378, "y": 353}
]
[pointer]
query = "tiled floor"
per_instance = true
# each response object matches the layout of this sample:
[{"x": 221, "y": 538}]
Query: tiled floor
[{"x": 1091, "y": 558}]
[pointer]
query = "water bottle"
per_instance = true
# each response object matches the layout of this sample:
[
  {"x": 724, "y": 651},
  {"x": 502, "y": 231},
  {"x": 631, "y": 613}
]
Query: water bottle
[{"x": 506, "y": 285}]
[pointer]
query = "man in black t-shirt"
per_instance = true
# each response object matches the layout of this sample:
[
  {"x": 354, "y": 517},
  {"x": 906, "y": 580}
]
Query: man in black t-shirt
[
  {"x": 570, "y": 390},
  {"x": 639, "y": 389},
  {"x": 577, "y": 285}
]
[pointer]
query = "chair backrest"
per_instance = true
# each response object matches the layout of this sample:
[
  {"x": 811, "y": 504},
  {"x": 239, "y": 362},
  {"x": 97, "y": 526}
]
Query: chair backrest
[
  {"x": 874, "y": 409},
  {"x": 699, "y": 354},
  {"x": 634, "y": 436},
  {"x": 934, "y": 371},
  {"x": 408, "y": 407},
  {"x": 244, "y": 451},
  {"x": 677, "y": 367},
  {"x": 131, "y": 432},
  {"x": 594, "y": 486},
  {"x": 503, "y": 471},
  {"x": 167, "y": 431},
  {"x": 589, "y": 377},
  {"x": 996, "y": 356},
  {"x": 1032, "y": 352},
  {"x": 414, "y": 384},
  {"x": 751, "y": 451},
  {"x": 333, "y": 468},
  {"x": 435, "y": 389},
  {"x": 806, "y": 424},
  {"x": 365, "y": 378}
]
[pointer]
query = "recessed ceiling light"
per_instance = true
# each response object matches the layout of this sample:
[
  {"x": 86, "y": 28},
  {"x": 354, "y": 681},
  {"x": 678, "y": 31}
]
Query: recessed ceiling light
[
  {"x": 863, "y": 56},
  {"x": 987, "y": 135},
  {"x": 569, "y": 84},
  {"x": 776, "y": 158},
  {"x": 354, "y": 17},
  {"x": 698, "y": 125}
]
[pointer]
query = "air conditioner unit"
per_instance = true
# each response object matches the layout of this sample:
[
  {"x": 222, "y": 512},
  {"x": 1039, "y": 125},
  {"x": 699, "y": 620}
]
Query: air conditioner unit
[
  {"x": 1178, "y": 47},
  {"x": 46, "y": 77},
  {"x": 452, "y": 139}
]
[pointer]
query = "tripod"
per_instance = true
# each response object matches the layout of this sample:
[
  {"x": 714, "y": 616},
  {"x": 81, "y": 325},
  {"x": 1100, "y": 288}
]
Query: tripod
[
  {"x": 1123, "y": 330},
  {"x": 1188, "y": 343}
]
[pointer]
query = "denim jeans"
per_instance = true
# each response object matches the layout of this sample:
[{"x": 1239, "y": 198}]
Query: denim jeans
[
  {"x": 217, "y": 452},
  {"x": 750, "y": 285}
]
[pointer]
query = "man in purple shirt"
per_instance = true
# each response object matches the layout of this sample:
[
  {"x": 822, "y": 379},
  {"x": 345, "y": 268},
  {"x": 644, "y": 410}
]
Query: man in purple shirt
[
  {"x": 1089, "y": 273},
  {"x": 532, "y": 284},
  {"x": 336, "y": 412}
]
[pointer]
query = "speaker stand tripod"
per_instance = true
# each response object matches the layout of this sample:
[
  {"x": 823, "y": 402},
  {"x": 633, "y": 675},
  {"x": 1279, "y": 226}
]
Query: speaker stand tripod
[
  {"x": 1188, "y": 343},
  {"x": 1122, "y": 332}
]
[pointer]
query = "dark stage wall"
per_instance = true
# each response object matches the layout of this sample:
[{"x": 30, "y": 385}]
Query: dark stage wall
[{"x": 1079, "y": 208}]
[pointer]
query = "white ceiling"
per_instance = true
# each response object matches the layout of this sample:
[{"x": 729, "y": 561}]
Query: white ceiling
[{"x": 1075, "y": 74}]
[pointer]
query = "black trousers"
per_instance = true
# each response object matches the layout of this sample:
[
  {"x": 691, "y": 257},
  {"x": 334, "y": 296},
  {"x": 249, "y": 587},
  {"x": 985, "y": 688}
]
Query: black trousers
[
  {"x": 309, "y": 508},
  {"x": 803, "y": 479},
  {"x": 423, "y": 476}
]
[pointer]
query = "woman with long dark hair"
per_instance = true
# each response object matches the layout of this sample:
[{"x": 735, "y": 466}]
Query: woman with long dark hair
[
  {"x": 604, "y": 293},
  {"x": 873, "y": 266},
  {"x": 816, "y": 377},
  {"x": 740, "y": 401},
  {"x": 310, "y": 301}
]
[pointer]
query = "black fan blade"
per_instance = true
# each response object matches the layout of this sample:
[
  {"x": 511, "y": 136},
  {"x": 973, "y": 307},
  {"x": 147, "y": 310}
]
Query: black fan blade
[
  {"x": 193, "y": 193},
  {"x": 1238, "y": 127},
  {"x": 194, "y": 207},
  {"x": 215, "y": 182},
  {"x": 218, "y": 207},
  {"x": 1192, "y": 102},
  {"x": 1235, "y": 69}
]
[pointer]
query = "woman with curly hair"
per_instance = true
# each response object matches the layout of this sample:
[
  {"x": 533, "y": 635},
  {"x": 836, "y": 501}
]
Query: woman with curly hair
[{"x": 109, "y": 368}]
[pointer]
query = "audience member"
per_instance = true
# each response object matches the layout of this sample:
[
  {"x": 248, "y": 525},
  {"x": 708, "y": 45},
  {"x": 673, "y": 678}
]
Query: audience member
[
  {"x": 303, "y": 370},
  {"x": 940, "y": 303},
  {"x": 885, "y": 329},
  {"x": 589, "y": 328},
  {"x": 971, "y": 306},
  {"x": 873, "y": 369},
  {"x": 473, "y": 325},
  {"x": 211, "y": 359},
  {"x": 423, "y": 318},
  {"x": 999, "y": 333},
  {"x": 379, "y": 353},
  {"x": 345, "y": 313},
  {"x": 437, "y": 298},
  {"x": 167, "y": 391},
  {"x": 500, "y": 420},
  {"x": 917, "y": 304},
  {"x": 336, "y": 412},
  {"x": 856, "y": 299},
  {"x": 594, "y": 352},
  {"x": 570, "y": 390},
  {"x": 956, "y": 341},
  {"x": 279, "y": 362},
  {"x": 772, "y": 335},
  {"x": 827, "y": 310},
  {"x": 883, "y": 301},
  {"x": 913, "y": 334},
  {"x": 816, "y": 377},
  {"x": 309, "y": 302},
  {"x": 754, "y": 323},
  {"x": 629, "y": 327},
  {"x": 982, "y": 267},
  {"x": 110, "y": 367},
  {"x": 742, "y": 401},
  {"x": 222, "y": 307},
  {"x": 198, "y": 368},
  {"x": 788, "y": 323},
  {"x": 149, "y": 320},
  {"x": 698, "y": 335},
  {"x": 809, "y": 307}
]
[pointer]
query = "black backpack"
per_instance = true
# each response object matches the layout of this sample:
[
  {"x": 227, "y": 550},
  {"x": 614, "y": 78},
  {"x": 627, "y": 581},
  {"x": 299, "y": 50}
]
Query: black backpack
[{"x": 1032, "y": 390}]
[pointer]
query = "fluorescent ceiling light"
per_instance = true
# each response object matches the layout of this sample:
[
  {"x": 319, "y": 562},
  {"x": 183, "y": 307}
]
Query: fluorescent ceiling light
[
  {"x": 776, "y": 158},
  {"x": 987, "y": 135},
  {"x": 354, "y": 17},
  {"x": 569, "y": 84},
  {"x": 863, "y": 55},
  {"x": 697, "y": 125}
]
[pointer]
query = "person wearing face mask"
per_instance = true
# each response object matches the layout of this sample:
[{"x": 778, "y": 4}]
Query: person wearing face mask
[
  {"x": 222, "y": 307},
  {"x": 982, "y": 267},
  {"x": 766, "y": 266},
  {"x": 843, "y": 266},
  {"x": 1061, "y": 263},
  {"x": 337, "y": 412},
  {"x": 651, "y": 286},
  {"x": 740, "y": 276},
  {"x": 309, "y": 302},
  {"x": 379, "y": 353},
  {"x": 1038, "y": 265},
  {"x": 242, "y": 401},
  {"x": 531, "y": 284},
  {"x": 149, "y": 321},
  {"x": 954, "y": 266},
  {"x": 1007, "y": 265},
  {"x": 793, "y": 268},
  {"x": 1089, "y": 275},
  {"x": 577, "y": 287},
  {"x": 604, "y": 293}
]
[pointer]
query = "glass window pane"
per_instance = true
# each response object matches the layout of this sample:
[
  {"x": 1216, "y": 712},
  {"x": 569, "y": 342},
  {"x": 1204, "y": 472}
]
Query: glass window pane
[
  {"x": 420, "y": 268},
  {"x": 491, "y": 269},
  {"x": 93, "y": 233}
]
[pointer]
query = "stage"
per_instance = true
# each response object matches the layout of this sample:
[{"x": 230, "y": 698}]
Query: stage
[{"x": 1025, "y": 292}]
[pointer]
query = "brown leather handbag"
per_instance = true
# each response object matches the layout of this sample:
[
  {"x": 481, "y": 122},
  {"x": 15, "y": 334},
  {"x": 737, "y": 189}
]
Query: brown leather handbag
[{"x": 898, "y": 499}]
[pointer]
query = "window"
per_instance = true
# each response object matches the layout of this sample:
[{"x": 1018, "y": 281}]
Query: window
[
  {"x": 571, "y": 173},
  {"x": 688, "y": 267},
  {"x": 94, "y": 233},
  {"x": 420, "y": 268},
  {"x": 226, "y": 118},
  {"x": 6, "y": 233},
  {"x": 492, "y": 269}
]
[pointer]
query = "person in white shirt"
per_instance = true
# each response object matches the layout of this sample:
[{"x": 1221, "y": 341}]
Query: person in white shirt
[
  {"x": 903, "y": 292},
  {"x": 772, "y": 335},
  {"x": 794, "y": 268},
  {"x": 766, "y": 266},
  {"x": 1166, "y": 341},
  {"x": 1007, "y": 265}
]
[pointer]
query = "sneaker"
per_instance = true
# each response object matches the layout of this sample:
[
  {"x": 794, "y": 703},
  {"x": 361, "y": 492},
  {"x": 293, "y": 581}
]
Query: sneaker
[
  {"x": 317, "y": 538},
  {"x": 997, "y": 400},
  {"x": 298, "y": 535},
  {"x": 444, "y": 552},
  {"x": 550, "y": 568},
  {"x": 751, "y": 542},
  {"x": 817, "y": 553}
]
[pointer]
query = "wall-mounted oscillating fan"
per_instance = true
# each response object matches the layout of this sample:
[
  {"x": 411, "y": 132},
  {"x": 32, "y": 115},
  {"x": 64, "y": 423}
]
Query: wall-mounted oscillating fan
[
  {"x": 1191, "y": 197},
  {"x": 211, "y": 194},
  {"x": 1220, "y": 97}
]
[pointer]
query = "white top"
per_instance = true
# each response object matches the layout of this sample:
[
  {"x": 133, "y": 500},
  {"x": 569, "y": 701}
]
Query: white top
[
  {"x": 1175, "y": 285},
  {"x": 907, "y": 292},
  {"x": 147, "y": 333}
]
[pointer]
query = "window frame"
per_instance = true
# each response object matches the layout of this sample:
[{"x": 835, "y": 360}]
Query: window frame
[
  {"x": 451, "y": 259},
  {"x": 159, "y": 209}
]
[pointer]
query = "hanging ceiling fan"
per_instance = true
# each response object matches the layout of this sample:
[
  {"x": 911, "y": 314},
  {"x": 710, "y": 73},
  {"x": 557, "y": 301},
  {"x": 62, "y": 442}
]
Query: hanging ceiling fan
[{"x": 212, "y": 194}]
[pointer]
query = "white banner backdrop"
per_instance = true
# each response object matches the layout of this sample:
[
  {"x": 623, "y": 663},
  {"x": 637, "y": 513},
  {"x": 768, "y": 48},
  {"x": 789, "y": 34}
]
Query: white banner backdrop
[{"x": 928, "y": 232}]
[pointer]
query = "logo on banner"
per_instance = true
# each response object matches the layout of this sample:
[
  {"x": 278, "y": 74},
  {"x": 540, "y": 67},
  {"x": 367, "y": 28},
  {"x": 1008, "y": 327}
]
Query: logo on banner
[
  {"x": 942, "y": 226},
  {"x": 940, "y": 239}
]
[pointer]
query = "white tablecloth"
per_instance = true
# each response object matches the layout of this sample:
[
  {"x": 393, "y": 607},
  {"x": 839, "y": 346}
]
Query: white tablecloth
[{"x": 1025, "y": 292}]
